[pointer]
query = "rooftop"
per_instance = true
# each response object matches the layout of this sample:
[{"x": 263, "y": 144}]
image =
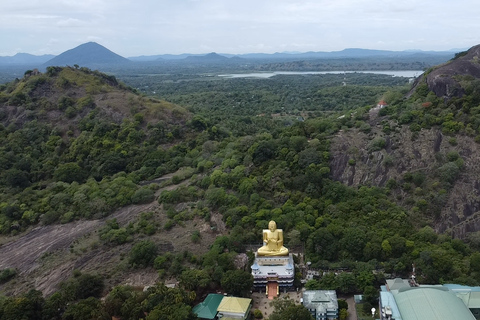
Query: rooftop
[
  {"x": 208, "y": 308},
  {"x": 321, "y": 300},
  {"x": 234, "y": 305},
  {"x": 435, "y": 302}
]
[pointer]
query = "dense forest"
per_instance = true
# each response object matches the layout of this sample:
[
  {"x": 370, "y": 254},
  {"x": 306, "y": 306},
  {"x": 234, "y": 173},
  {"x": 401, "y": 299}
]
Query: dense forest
[{"x": 77, "y": 144}]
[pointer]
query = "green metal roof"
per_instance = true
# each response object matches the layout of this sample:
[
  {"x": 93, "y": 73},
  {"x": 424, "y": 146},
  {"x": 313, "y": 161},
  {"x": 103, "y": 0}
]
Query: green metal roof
[
  {"x": 431, "y": 303},
  {"x": 208, "y": 308}
]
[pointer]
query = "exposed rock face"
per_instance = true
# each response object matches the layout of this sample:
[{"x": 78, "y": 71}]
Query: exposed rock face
[
  {"x": 444, "y": 80},
  {"x": 354, "y": 163}
]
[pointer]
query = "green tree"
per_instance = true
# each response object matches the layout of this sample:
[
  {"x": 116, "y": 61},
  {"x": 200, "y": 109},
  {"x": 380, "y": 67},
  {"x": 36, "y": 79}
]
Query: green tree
[
  {"x": 312, "y": 285},
  {"x": 125, "y": 302},
  {"x": 286, "y": 309},
  {"x": 143, "y": 253},
  {"x": 69, "y": 172},
  {"x": 237, "y": 282},
  {"x": 194, "y": 280},
  {"x": 87, "y": 309},
  {"x": 343, "y": 314},
  {"x": 257, "y": 314}
]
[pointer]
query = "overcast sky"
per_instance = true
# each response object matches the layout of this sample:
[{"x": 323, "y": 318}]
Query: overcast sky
[{"x": 148, "y": 27}]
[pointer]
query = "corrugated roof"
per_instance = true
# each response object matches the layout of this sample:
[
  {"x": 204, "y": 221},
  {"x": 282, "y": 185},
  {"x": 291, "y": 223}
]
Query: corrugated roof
[
  {"x": 208, "y": 308},
  {"x": 469, "y": 295},
  {"x": 431, "y": 303},
  {"x": 387, "y": 299},
  {"x": 234, "y": 304}
]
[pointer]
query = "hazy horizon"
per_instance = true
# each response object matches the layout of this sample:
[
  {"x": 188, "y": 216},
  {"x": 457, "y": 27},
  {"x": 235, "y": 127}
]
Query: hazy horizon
[{"x": 147, "y": 27}]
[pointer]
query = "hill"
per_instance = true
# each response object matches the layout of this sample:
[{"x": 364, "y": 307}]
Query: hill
[
  {"x": 447, "y": 80},
  {"x": 25, "y": 59},
  {"x": 211, "y": 57},
  {"x": 87, "y": 54},
  {"x": 424, "y": 148},
  {"x": 96, "y": 127}
]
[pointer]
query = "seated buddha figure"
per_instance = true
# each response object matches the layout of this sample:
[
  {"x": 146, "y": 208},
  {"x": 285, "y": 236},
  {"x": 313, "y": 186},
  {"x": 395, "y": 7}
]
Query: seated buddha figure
[{"x": 272, "y": 242}]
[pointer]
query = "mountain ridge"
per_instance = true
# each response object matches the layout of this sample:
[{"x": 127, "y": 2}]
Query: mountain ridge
[
  {"x": 87, "y": 54},
  {"x": 347, "y": 52}
]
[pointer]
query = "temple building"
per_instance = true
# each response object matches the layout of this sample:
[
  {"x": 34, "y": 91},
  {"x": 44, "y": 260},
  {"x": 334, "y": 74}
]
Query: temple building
[
  {"x": 322, "y": 304},
  {"x": 273, "y": 269}
]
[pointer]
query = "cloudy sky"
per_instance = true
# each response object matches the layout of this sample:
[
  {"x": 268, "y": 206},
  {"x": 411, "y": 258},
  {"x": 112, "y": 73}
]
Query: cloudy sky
[{"x": 148, "y": 27}]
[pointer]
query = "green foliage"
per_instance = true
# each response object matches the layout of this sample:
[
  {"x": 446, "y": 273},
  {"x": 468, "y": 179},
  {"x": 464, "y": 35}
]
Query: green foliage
[
  {"x": 102, "y": 158},
  {"x": 312, "y": 285},
  {"x": 377, "y": 144},
  {"x": 69, "y": 172},
  {"x": 194, "y": 280},
  {"x": 125, "y": 302},
  {"x": 196, "y": 236},
  {"x": 24, "y": 307},
  {"x": 82, "y": 286},
  {"x": 143, "y": 254},
  {"x": 167, "y": 303},
  {"x": 237, "y": 282},
  {"x": 285, "y": 309},
  {"x": 257, "y": 314},
  {"x": 85, "y": 309},
  {"x": 112, "y": 234},
  {"x": 143, "y": 195},
  {"x": 7, "y": 274},
  {"x": 449, "y": 172}
]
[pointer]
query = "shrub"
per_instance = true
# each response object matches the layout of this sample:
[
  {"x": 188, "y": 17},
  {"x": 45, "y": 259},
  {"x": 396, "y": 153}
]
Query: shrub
[
  {"x": 257, "y": 314},
  {"x": 143, "y": 254},
  {"x": 377, "y": 144},
  {"x": 7, "y": 274},
  {"x": 196, "y": 236},
  {"x": 143, "y": 195}
]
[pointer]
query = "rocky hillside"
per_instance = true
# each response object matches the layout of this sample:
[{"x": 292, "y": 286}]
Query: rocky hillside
[
  {"x": 424, "y": 148},
  {"x": 414, "y": 165},
  {"x": 446, "y": 80}
]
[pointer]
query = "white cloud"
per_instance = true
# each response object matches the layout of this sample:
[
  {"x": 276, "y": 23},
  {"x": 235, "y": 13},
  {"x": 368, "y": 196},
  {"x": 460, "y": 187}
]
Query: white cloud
[{"x": 174, "y": 26}]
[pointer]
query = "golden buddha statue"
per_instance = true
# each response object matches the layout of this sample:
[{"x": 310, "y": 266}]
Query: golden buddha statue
[{"x": 272, "y": 242}]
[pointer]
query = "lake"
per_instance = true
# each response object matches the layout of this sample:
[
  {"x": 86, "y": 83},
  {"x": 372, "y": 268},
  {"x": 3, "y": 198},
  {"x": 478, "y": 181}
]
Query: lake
[{"x": 393, "y": 73}]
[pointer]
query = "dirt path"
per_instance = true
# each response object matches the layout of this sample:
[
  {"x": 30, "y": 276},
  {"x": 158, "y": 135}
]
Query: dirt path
[{"x": 352, "y": 310}]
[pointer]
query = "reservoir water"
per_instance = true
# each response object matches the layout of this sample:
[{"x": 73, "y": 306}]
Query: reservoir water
[{"x": 393, "y": 73}]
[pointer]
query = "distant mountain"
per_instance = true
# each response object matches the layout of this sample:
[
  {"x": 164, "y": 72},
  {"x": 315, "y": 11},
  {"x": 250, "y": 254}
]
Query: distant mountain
[
  {"x": 156, "y": 57},
  {"x": 25, "y": 59},
  {"x": 293, "y": 55},
  {"x": 211, "y": 57},
  {"x": 87, "y": 54},
  {"x": 162, "y": 57},
  {"x": 346, "y": 53}
]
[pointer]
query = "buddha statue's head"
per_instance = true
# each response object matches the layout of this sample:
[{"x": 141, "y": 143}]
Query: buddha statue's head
[{"x": 272, "y": 226}]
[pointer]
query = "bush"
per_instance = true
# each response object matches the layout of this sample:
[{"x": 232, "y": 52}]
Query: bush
[
  {"x": 377, "y": 144},
  {"x": 7, "y": 274},
  {"x": 143, "y": 254},
  {"x": 196, "y": 236},
  {"x": 143, "y": 195},
  {"x": 257, "y": 314}
]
